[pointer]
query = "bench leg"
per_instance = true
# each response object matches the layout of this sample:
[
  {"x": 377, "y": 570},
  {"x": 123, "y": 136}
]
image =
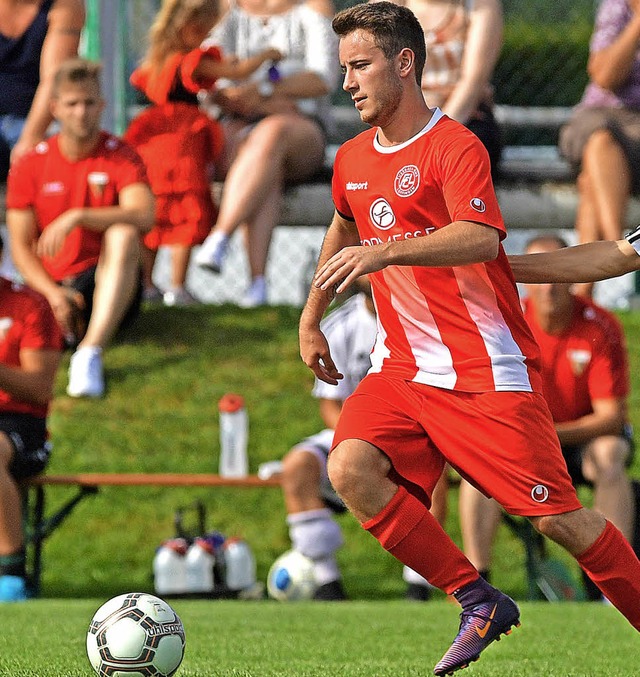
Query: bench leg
[{"x": 38, "y": 527}]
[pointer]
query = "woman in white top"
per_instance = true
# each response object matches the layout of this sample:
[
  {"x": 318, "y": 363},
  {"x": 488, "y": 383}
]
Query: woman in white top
[
  {"x": 463, "y": 40},
  {"x": 275, "y": 122}
]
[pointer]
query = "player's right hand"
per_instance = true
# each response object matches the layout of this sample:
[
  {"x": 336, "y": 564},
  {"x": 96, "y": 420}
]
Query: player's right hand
[{"x": 315, "y": 353}]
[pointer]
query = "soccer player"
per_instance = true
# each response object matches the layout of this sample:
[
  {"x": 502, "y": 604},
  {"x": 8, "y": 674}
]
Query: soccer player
[
  {"x": 76, "y": 207},
  {"x": 30, "y": 346},
  {"x": 455, "y": 371}
]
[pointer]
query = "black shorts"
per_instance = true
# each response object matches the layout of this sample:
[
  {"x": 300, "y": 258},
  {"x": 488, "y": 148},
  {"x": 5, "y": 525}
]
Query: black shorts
[
  {"x": 573, "y": 457},
  {"x": 31, "y": 447},
  {"x": 85, "y": 283}
]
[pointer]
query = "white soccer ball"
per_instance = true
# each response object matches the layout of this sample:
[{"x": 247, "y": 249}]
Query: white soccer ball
[
  {"x": 135, "y": 635},
  {"x": 291, "y": 577}
]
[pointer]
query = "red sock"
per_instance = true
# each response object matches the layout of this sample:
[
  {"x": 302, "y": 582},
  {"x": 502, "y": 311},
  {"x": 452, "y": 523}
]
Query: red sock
[
  {"x": 412, "y": 534},
  {"x": 613, "y": 566}
]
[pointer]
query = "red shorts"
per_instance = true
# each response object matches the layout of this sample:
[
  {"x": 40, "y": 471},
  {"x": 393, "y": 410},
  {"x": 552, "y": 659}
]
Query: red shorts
[
  {"x": 504, "y": 443},
  {"x": 184, "y": 219}
]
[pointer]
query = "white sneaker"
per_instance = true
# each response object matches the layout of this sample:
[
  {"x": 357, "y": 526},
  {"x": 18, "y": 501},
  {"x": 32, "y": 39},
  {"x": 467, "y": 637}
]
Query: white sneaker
[
  {"x": 212, "y": 252},
  {"x": 256, "y": 295},
  {"x": 179, "y": 297},
  {"x": 86, "y": 378}
]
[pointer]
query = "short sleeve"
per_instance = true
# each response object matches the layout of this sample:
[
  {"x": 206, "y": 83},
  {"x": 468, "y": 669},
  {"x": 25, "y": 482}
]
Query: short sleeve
[
  {"x": 609, "y": 372},
  {"x": 21, "y": 184},
  {"x": 612, "y": 17},
  {"x": 189, "y": 64},
  {"x": 40, "y": 329}
]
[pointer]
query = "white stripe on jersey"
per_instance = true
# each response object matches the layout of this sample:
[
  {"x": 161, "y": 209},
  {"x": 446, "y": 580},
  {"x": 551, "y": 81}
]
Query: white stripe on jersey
[
  {"x": 423, "y": 336},
  {"x": 508, "y": 366}
]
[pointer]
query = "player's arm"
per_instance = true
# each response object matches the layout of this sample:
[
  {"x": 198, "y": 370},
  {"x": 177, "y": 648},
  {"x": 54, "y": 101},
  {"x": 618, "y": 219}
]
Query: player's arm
[
  {"x": 460, "y": 243},
  {"x": 583, "y": 263},
  {"x": 481, "y": 52},
  {"x": 135, "y": 207},
  {"x": 330, "y": 411},
  {"x": 608, "y": 418},
  {"x": 34, "y": 379},
  {"x": 66, "y": 19},
  {"x": 314, "y": 348},
  {"x": 23, "y": 236}
]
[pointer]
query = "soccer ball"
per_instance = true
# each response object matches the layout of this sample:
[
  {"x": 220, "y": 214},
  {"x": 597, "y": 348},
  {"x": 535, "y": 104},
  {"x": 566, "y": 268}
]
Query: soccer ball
[
  {"x": 291, "y": 577},
  {"x": 135, "y": 635}
]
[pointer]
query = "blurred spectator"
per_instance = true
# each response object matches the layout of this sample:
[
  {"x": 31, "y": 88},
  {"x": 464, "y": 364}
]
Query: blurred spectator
[
  {"x": 30, "y": 345},
  {"x": 463, "y": 40},
  {"x": 309, "y": 497},
  {"x": 586, "y": 384},
  {"x": 36, "y": 36},
  {"x": 76, "y": 207},
  {"x": 275, "y": 123},
  {"x": 602, "y": 139},
  {"x": 177, "y": 141}
]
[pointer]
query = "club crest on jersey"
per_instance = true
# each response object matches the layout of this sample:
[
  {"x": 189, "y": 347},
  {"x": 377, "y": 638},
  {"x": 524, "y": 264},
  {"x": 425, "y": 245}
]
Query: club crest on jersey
[
  {"x": 407, "y": 181},
  {"x": 381, "y": 214},
  {"x": 97, "y": 182},
  {"x": 579, "y": 359},
  {"x": 478, "y": 204}
]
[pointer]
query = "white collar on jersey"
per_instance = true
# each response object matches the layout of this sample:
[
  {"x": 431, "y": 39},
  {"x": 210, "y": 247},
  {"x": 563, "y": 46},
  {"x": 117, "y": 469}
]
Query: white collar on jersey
[{"x": 437, "y": 114}]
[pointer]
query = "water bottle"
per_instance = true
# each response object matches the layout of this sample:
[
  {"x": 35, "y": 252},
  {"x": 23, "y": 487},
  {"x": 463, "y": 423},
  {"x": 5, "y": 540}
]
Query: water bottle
[
  {"x": 240, "y": 564},
  {"x": 200, "y": 561},
  {"x": 169, "y": 567},
  {"x": 234, "y": 433}
]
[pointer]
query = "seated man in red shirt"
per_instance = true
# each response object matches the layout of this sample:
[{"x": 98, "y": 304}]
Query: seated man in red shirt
[
  {"x": 586, "y": 384},
  {"x": 76, "y": 207},
  {"x": 30, "y": 345}
]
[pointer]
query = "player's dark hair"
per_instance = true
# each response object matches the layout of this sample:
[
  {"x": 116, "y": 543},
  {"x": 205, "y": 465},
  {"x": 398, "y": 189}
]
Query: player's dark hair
[
  {"x": 546, "y": 237},
  {"x": 75, "y": 71},
  {"x": 392, "y": 26}
]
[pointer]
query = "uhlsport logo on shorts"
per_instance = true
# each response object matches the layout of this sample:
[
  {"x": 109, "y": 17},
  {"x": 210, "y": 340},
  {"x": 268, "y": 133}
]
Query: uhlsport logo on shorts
[
  {"x": 407, "y": 181},
  {"x": 478, "y": 204},
  {"x": 539, "y": 493},
  {"x": 381, "y": 214}
]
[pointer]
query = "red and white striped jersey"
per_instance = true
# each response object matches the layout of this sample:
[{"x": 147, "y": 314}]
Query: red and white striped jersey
[{"x": 459, "y": 328}]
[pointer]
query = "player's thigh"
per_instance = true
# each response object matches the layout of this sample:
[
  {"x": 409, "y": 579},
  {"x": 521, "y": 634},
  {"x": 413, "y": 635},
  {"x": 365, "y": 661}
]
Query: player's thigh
[
  {"x": 23, "y": 441},
  {"x": 505, "y": 444},
  {"x": 384, "y": 413}
]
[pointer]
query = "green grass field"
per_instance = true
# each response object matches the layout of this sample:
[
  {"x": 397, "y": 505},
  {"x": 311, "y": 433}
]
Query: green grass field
[
  {"x": 45, "y": 638},
  {"x": 160, "y": 415}
]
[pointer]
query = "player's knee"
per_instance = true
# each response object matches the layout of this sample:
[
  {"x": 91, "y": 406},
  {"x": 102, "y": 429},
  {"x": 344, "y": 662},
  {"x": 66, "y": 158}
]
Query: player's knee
[
  {"x": 606, "y": 460},
  {"x": 300, "y": 470},
  {"x": 354, "y": 464}
]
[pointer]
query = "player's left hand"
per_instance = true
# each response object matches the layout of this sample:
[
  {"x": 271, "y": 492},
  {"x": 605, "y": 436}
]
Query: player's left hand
[
  {"x": 347, "y": 265},
  {"x": 54, "y": 235}
]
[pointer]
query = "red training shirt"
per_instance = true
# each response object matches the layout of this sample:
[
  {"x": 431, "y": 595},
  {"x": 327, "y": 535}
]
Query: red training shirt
[
  {"x": 26, "y": 321},
  {"x": 587, "y": 362},
  {"x": 50, "y": 184}
]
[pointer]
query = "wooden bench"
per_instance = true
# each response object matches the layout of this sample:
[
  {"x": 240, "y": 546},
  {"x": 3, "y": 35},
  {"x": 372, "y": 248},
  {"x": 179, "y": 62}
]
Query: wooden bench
[
  {"x": 40, "y": 522},
  {"x": 544, "y": 582}
]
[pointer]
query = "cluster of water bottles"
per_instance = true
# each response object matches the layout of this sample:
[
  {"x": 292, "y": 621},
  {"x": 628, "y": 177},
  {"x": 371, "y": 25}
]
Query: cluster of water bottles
[{"x": 209, "y": 565}]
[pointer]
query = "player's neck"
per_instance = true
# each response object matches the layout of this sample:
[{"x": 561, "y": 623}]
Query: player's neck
[
  {"x": 405, "y": 124},
  {"x": 554, "y": 323},
  {"x": 73, "y": 148}
]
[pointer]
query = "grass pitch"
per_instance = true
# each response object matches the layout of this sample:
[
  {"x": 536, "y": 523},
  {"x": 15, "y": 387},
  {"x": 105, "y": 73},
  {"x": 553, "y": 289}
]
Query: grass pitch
[{"x": 46, "y": 638}]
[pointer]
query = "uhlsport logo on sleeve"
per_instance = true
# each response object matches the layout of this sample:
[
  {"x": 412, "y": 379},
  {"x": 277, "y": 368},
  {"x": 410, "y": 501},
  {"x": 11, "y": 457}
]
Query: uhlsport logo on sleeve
[
  {"x": 407, "y": 181},
  {"x": 478, "y": 204}
]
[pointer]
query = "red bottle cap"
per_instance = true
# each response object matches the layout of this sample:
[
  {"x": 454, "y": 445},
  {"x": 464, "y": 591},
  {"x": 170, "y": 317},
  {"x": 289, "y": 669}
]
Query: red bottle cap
[{"x": 230, "y": 403}]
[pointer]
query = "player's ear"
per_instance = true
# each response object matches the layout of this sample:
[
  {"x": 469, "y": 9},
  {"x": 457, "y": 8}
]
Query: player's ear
[{"x": 407, "y": 61}]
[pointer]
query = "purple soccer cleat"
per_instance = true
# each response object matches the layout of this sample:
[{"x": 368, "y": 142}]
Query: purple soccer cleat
[{"x": 480, "y": 625}]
